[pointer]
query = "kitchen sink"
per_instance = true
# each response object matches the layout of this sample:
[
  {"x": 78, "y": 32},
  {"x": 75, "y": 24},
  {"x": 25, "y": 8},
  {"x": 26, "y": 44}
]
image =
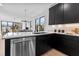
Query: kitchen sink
[{"x": 39, "y": 32}]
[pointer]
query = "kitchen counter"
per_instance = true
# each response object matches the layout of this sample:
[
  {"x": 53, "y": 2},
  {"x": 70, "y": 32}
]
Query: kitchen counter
[
  {"x": 13, "y": 35},
  {"x": 70, "y": 34},
  {"x": 44, "y": 41}
]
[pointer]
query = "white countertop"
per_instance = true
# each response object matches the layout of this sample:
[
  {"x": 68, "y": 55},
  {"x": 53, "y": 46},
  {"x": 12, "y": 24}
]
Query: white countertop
[{"x": 11, "y": 35}]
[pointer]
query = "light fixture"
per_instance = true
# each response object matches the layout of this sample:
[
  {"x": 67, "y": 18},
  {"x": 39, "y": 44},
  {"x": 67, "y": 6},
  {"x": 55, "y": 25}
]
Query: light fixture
[
  {"x": 24, "y": 16},
  {"x": 25, "y": 13}
]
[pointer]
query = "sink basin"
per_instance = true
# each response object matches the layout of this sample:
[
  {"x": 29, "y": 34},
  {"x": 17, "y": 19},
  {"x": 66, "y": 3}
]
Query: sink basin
[{"x": 39, "y": 32}]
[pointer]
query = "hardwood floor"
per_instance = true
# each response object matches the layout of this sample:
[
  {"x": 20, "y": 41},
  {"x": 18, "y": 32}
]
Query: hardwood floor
[{"x": 54, "y": 52}]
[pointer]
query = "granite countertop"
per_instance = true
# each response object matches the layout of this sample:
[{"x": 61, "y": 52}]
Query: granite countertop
[{"x": 12, "y": 35}]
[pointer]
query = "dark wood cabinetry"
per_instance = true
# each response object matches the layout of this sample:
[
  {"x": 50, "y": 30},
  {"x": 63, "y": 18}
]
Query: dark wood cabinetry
[
  {"x": 56, "y": 14},
  {"x": 63, "y": 13},
  {"x": 52, "y": 15},
  {"x": 44, "y": 43},
  {"x": 64, "y": 43},
  {"x": 71, "y": 12},
  {"x": 68, "y": 45},
  {"x": 59, "y": 15}
]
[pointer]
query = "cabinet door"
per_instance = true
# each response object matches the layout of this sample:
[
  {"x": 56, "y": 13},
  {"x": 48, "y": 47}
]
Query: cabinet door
[
  {"x": 69, "y": 45},
  {"x": 52, "y": 11},
  {"x": 71, "y": 12},
  {"x": 59, "y": 15},
  {"x": 42, "y": 44},
  {"x": 56, "y": 14}
]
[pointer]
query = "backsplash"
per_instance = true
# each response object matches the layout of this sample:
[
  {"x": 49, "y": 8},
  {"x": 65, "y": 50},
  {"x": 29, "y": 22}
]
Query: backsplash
[
  {"x": 55, "y": 28},
  {"x": 48, "y": 28},
  {"x": 66, "y": 27},
  {"x": 71, "y": 27}
]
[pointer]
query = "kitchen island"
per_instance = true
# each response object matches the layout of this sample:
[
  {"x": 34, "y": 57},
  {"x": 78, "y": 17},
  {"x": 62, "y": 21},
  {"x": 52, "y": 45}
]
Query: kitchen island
[{"x": 26, "y": 43}]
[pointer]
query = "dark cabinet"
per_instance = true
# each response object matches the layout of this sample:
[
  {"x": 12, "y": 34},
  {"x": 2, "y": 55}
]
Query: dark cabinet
[
  {"x": 68, "y": 45},
  {"x": 59, "y": 15},
  {"x": 52, "y": 15},
  {"x": 7, "y": 47},
  {"x": 44, "y": 43},
  {"x": 63, "y": 13},
  {"x": 56, "y": 14},
  {"x": 71, "y": 12}
]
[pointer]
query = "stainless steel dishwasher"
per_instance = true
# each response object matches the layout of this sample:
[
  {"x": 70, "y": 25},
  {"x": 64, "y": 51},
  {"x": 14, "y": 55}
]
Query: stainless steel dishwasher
[{"x": 23, "y": 47}]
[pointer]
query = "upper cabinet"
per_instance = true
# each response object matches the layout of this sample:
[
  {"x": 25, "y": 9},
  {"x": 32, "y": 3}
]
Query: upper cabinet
[
  {"x": 56, "y": 14},
  {"x": 71, "y": 13},
  {"x": 59, "y": 15},
  {"x": 64, "y": 13},
  {"x": 52, "y": 15}
]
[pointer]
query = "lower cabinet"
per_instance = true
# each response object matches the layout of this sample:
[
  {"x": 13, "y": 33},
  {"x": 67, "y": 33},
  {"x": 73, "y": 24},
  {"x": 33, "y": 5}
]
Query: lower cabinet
[
  {"x": 43, "y": 44},
  {"x": 68, "y": 44}
]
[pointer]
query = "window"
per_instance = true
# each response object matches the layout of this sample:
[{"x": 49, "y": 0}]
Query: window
[
  {"x": 40, "y": 22},
  {"x": 10, "y": 24},
  {"x": 37, "y": 21},
  {"x": 4, "y": 23}
]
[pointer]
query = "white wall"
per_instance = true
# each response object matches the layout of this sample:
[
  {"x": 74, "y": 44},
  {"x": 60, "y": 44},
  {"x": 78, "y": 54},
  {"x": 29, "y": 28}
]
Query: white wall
[{"x": 2, "y": 44}]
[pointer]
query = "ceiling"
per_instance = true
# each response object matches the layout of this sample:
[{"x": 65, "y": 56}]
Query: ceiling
[{"x": 18, "y": 9}]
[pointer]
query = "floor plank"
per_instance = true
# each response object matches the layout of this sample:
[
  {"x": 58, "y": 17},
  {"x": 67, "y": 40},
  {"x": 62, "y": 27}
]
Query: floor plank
[{"x": 54, "y": 52}]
